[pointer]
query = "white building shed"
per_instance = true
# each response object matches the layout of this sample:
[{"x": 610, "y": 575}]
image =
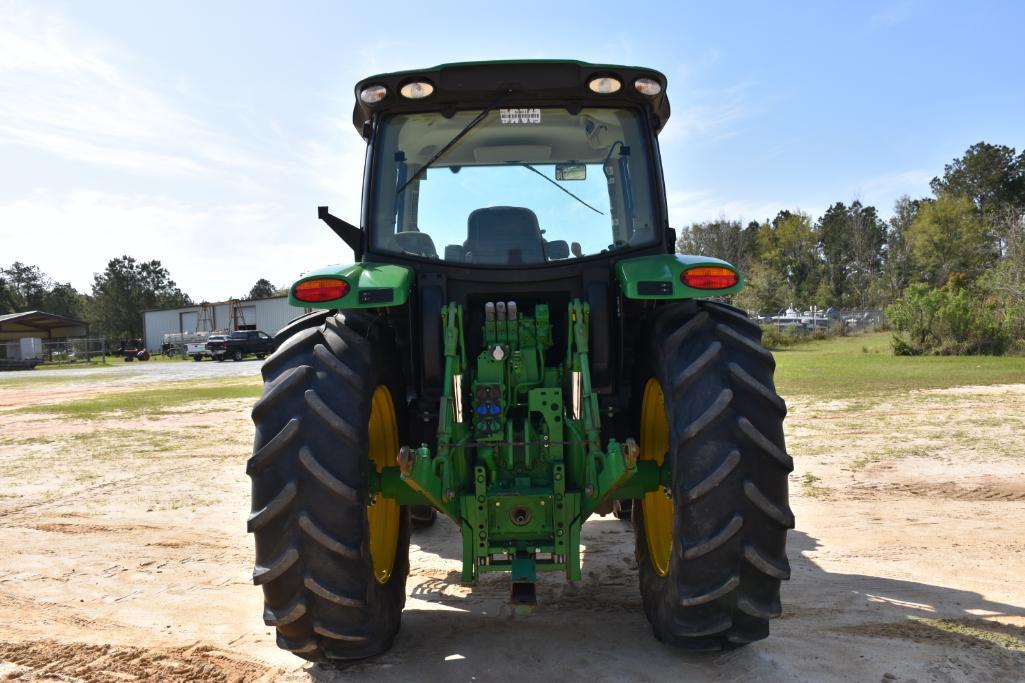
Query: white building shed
[{"x": 266, "y": 315}]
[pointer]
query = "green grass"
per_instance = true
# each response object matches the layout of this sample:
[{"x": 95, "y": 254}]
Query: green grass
[
  {"x": 107, "y": 443},
  {"x": 892, "y": 453},
  {"x": 811, "y": 486},
  {"x": 164, "y": 400},
  {"x": 1007, "y": 636},
  {"x": 864, "y": 365}
]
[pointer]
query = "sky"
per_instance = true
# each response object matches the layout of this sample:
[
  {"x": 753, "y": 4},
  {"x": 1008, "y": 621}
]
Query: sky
[{"x": 206, "y": 134}]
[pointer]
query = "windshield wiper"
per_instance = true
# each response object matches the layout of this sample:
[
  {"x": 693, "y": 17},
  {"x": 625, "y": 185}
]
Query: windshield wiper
[
  {"x": 531, "y": 168},
  {"x": 451, "y": 143}
]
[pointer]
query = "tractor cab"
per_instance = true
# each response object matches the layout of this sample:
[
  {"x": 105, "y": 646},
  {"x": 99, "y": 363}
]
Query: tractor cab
[{"x": 556, "y": 163}]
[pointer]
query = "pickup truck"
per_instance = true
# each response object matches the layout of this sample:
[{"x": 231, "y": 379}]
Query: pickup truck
[
  {"x": 198, "y": 349},
  {"x": 240, "y": 344}
]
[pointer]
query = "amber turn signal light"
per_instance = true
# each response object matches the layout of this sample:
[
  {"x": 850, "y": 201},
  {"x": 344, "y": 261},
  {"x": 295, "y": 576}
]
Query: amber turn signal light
[
  {"x": 709, "y": 277},
  {"x": 321, "y": 289}
]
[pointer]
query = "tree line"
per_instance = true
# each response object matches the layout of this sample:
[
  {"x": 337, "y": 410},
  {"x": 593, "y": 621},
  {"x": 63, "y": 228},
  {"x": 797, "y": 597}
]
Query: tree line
[
  {"x": 949, "y": 268},
  {"x": 115, "y": 304}
]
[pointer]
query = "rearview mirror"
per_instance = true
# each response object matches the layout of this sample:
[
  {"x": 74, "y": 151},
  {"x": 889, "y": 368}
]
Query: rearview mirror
[{"x": 570, "y": 172}]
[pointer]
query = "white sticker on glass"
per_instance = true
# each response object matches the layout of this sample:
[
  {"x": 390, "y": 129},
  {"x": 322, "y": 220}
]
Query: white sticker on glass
[{"x": 520, "y": 115}]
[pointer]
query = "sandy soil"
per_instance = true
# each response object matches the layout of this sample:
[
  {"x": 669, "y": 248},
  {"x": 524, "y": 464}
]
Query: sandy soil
[{"x": 125, "y": 557}]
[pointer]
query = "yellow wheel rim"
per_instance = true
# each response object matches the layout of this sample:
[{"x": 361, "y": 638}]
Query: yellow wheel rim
[
  {"x": 383, "y": 514},
  {"x": 657, "y": 508}
]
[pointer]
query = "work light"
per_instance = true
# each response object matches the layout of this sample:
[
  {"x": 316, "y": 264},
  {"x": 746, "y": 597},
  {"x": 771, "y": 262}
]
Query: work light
[
  {"x": 373, "y": 94},
  {"x": 417, "y": 90},
  {"x": 604, "y": 85},
  {"x": 648, "y": 86}
]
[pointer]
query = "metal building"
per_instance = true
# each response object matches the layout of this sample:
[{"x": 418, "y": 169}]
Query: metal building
[
  {"x": 41, "y": 325},
  {"x": 27, "y": 338},
  {"x": 268, "y": 315}
]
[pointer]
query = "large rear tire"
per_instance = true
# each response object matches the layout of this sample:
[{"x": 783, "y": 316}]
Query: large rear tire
[
  {"x": 711, "y": 550},
  {"x": 332, "y": 562}
]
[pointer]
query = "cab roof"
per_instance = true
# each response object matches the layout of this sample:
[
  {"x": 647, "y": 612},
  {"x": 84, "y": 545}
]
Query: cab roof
[{"x": 536, "y": 82}]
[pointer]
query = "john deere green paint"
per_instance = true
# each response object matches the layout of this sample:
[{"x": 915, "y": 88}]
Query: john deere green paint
[{"x": 516, "y": 347}]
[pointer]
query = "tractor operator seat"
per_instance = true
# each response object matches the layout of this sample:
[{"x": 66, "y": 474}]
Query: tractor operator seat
[{"x": 504, "y": 235}]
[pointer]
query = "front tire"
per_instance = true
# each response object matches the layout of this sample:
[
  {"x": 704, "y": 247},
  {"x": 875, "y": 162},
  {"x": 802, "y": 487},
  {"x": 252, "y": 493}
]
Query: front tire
[
  {"x": 711, "y": 549},
  {"x": 422, "y": 516},
  {"x": 332, "y": 561}
]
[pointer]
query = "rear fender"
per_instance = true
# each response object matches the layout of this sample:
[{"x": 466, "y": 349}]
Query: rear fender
[
  {"x": 660, "y": 277},
  {"x": 371, "y": 285}
]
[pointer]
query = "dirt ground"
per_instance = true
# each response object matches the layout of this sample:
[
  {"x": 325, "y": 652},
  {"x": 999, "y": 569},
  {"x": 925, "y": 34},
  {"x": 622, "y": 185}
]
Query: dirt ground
[{"x": 123, "y": 556}]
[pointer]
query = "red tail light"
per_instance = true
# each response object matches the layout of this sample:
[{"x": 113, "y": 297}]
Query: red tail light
[
  {"x": 709, "y": 277},
  {"x": 321, "y": 289}
]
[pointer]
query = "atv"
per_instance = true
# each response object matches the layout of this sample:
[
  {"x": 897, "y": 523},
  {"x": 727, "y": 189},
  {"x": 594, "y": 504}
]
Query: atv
[{"x": 517, "y": 347}]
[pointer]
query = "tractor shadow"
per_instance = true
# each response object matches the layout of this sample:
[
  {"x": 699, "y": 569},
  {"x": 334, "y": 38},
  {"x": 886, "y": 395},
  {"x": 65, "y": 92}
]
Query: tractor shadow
[{"x": 835, "y": 626}]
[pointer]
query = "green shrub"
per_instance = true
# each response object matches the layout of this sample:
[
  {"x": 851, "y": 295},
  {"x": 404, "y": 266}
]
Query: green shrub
[
  {"x": 955, "y": 319},
  {"x": 775, "y": 338}
]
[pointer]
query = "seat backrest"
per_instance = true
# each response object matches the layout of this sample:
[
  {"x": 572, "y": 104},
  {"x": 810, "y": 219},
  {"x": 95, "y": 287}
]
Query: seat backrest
[
  {"x": 504, "y": 235},
  {"x": 419, "y": 243}
]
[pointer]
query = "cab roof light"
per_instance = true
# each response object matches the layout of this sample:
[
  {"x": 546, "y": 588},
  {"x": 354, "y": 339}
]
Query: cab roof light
[
  {"x": 372, "y": 94},
  {"x": 648, "y": 86},
  {"x": 416, "y": 90},
  {"x": 604, "y": 85},
  {"x": 321, "y": 289},
  {"x": 709, "y": 277}
]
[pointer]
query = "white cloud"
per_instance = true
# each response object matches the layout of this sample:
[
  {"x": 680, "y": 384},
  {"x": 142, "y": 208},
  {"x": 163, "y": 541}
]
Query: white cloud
[
  {"x": 335, "y": 164},
  {"x": 700, "y": 65},
  {"x": 881, "y": 191},
  {"x": 694, "y": 206},
  {"x": 896, "y": 13},
  {"x": 65, "y": 94},
  {"x": 67, "y": 98},
  {"x": 712, "y": 115},
  {"x": 212, "y": 253}
]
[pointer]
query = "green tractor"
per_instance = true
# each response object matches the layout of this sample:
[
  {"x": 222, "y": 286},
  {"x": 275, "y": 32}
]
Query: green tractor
[{"x": 517, "y": 347}]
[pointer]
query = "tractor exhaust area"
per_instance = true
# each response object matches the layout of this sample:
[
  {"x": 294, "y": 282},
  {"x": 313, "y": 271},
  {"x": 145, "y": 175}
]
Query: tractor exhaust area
[{"x": 124, "y": 501}]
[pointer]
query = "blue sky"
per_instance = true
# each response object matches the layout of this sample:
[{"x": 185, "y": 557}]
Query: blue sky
[{"x": 205, "y": 134}]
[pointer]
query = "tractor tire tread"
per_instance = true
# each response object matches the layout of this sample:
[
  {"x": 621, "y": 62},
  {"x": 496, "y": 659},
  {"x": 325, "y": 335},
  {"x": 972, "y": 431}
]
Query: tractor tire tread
[
  {"x": 287, "y": 614},
  {"x": 707, "y": 419},
  {"x": 779, "y": 513},
  {"x": 712, "y": 542},
  {"x": 326, "y": 540},
  {"x": 283, "y": 385},
  {"x": 270, "y": 451},
  {"x": 729, "y": 477},
  {"x": 297, "y": 647},
  {"x": 275, "y": 507},
  {"x": 310, "y": 480},
  {"x": 692, "y": 371},
  {"x": 746, "y": 381},
  {"x": 276, "y": 567},
  {"x": 708, "y": 596},
  {"x": 318, "y": 588},
  {"x": 328, "y": 480},
  {"x": 753, "y": 346},
  {"x": 765, "y": 444},
  {"x": 716, "y": 477}
]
